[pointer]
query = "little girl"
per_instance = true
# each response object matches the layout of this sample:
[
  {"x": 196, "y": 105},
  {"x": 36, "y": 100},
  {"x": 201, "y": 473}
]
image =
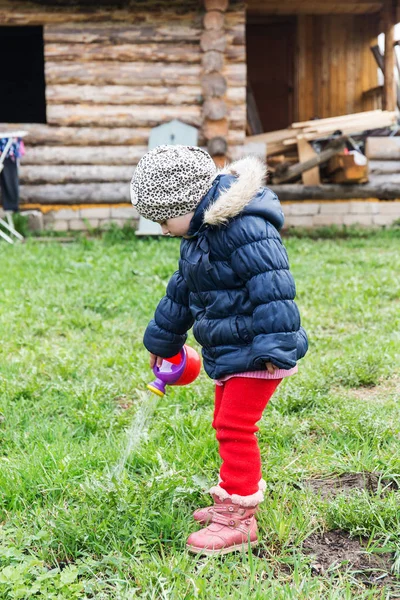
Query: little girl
[{"x": 234, "y": 287}]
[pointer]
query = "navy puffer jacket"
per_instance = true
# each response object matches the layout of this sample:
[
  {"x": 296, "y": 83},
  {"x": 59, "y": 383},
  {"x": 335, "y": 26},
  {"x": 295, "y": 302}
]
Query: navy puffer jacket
[{"x": 233, "y": 284}]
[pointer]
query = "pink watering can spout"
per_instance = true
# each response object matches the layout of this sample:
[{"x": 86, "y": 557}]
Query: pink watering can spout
[{"x": 181, "y": 369}]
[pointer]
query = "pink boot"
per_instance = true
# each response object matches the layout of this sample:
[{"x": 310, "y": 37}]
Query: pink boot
[
  {"x": 203, "y": 515},
  {"x": 233, "y": 526}
]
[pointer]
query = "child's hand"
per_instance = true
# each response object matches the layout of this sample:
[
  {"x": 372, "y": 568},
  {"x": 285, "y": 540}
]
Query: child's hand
[
  {"x": 271, "y": 368},
  {"x": 155, "y": 360}
]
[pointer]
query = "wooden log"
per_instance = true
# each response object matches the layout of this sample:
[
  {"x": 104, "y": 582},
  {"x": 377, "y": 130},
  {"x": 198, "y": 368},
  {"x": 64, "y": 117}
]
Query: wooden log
[
  {"x": 290, "y": 173},
  {"x": 36, "y": 174},
  {"x": 213, "y": 85},
  {"x": 126, "y": 94},
  {"x": 81, "y": 136},
  {"x": 213, "y": 40},
  {"x": 78, "y": 155},
  {"x": 154, "y": 52},
  {"x": 135, "y": 74},
  {"x": 215, "y": 109},
  {"x": 217, "y": 146},
  {"x": 389, "y": 92},
  {"x": 121, "y": 116},
  {"x": 212, "y": 129},
  {"x": 383, "y": 148},
  {"x": 29, "y": 13},
  {"x": 236, "y": 54},
  {"x": 383, "y": 167},
  {"x": 212, "y": 61},
  {"x": 75, "y": 193},
  {"x": 214, "y": 20},
  {"x": 221, "y": 5},
  {"x": 97, "y": 136},
  {"x": 336, "y": 192},
  {"x": 112, "y": 33}
]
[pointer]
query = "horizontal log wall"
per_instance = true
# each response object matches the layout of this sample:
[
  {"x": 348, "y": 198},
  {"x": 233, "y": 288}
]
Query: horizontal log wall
[{"x": 111, "y": 76}]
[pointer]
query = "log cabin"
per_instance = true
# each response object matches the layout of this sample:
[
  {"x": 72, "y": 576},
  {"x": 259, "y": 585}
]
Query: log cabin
[{"x": 89, "y": 79}]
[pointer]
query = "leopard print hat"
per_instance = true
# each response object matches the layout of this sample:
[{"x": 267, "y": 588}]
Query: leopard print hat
[{"x": 170, "y": 181}]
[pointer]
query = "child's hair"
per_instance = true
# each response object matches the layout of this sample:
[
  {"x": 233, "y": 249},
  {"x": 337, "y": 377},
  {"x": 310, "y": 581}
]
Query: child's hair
[{"x": 170, "y": 181}]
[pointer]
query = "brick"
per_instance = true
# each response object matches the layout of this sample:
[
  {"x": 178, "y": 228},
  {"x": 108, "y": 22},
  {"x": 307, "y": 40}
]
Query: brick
[
  {"x": 287, "y": 209},
  {"x": 65, "y": 213},
  {"x": 102, "y": 212},
  {"x": 119, "y": 222},
  {"x": 364, "y": 207},
  {"x": 384, "y": 219},
  {"x": 124, "y": 212},
  {"x": 35, "y": 220},
  {"x": 299, "y": 221},
  {"x": 77, "y": 225},
  {"x": 357, "y": 220},
  {"x": 389, "y": 208},
  {"x": 59, "y": 225},
  {"x": 336, "y": 208},
  {"x": 91, "y": 223},
  {"x": 328, "y": 219},
  {"x": 305, "y": 208}
]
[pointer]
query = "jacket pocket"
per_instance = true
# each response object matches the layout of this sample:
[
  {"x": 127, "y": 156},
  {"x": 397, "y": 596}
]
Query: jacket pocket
[{"x": 240, "y": 329}]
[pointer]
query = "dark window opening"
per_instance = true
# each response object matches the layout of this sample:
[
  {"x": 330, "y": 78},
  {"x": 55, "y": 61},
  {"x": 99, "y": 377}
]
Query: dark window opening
[{"x": 22, "y": 83}]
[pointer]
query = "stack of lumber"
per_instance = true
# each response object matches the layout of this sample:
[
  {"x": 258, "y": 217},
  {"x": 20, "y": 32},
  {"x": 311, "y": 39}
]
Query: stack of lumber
[
  {"x": 291, "y": 146},
  {"x": 384, "y": 159},
  {"x": 284, "y": 141}
]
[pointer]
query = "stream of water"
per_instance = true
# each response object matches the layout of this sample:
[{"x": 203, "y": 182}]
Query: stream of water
[{"x": 137, "y": 430}]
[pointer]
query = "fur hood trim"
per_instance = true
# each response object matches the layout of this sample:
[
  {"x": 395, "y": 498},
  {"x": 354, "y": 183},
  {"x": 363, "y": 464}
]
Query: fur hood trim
[{"x": 250, "y": 172}]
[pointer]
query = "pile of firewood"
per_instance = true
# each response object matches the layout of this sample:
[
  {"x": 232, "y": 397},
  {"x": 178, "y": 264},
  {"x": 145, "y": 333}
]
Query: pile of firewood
[{"x": 317, "y": 151}]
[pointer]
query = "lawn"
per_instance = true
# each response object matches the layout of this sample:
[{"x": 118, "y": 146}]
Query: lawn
[{"x": 78, "y": 521}]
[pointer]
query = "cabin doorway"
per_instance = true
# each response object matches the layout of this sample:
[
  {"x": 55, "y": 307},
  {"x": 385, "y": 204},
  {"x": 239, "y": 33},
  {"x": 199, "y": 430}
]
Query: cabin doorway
[
  {"x": 22, "y": 82},
  {"x": 271, "y": 46}
]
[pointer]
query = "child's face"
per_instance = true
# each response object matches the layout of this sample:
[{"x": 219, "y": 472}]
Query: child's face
[{"x": 179, "y": 226}]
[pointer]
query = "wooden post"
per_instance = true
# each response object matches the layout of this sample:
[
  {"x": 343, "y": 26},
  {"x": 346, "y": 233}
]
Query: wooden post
[
  {"x": 389, "y": 93},
  {"x": 215, "y": 124}
]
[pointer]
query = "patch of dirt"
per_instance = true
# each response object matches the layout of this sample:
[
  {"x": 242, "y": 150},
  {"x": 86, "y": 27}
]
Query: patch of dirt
[
  {"x": 336, "y": 551},
  {"x": 123, "y": 403},
  {"x": 348, "y": 483},
  {"x": 378, "y": 392}
]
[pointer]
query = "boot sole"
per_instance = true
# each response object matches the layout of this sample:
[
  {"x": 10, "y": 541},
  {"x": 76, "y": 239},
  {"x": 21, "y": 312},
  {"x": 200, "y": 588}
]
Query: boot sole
[{"x": 212, "y": 552}]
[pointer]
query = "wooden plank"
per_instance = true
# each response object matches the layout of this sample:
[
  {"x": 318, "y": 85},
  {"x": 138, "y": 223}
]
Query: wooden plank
[
  {"x": 290, "y": 173},
  {"x": 389, "y": 92},
  {"x": 383, "y": 148},
  {"x": 334, "y": 121},
  {"x": 37, "y": 174},
  {"x": 78, "y": 155},
  {"x": 305, "y": 152}
]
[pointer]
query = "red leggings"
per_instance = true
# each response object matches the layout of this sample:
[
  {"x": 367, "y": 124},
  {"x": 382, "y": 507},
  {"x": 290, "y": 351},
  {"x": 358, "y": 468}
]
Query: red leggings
[{"x": 239, "y": 404}]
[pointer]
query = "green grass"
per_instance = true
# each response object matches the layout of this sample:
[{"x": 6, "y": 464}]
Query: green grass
[{"x": 71, "y": 324}]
